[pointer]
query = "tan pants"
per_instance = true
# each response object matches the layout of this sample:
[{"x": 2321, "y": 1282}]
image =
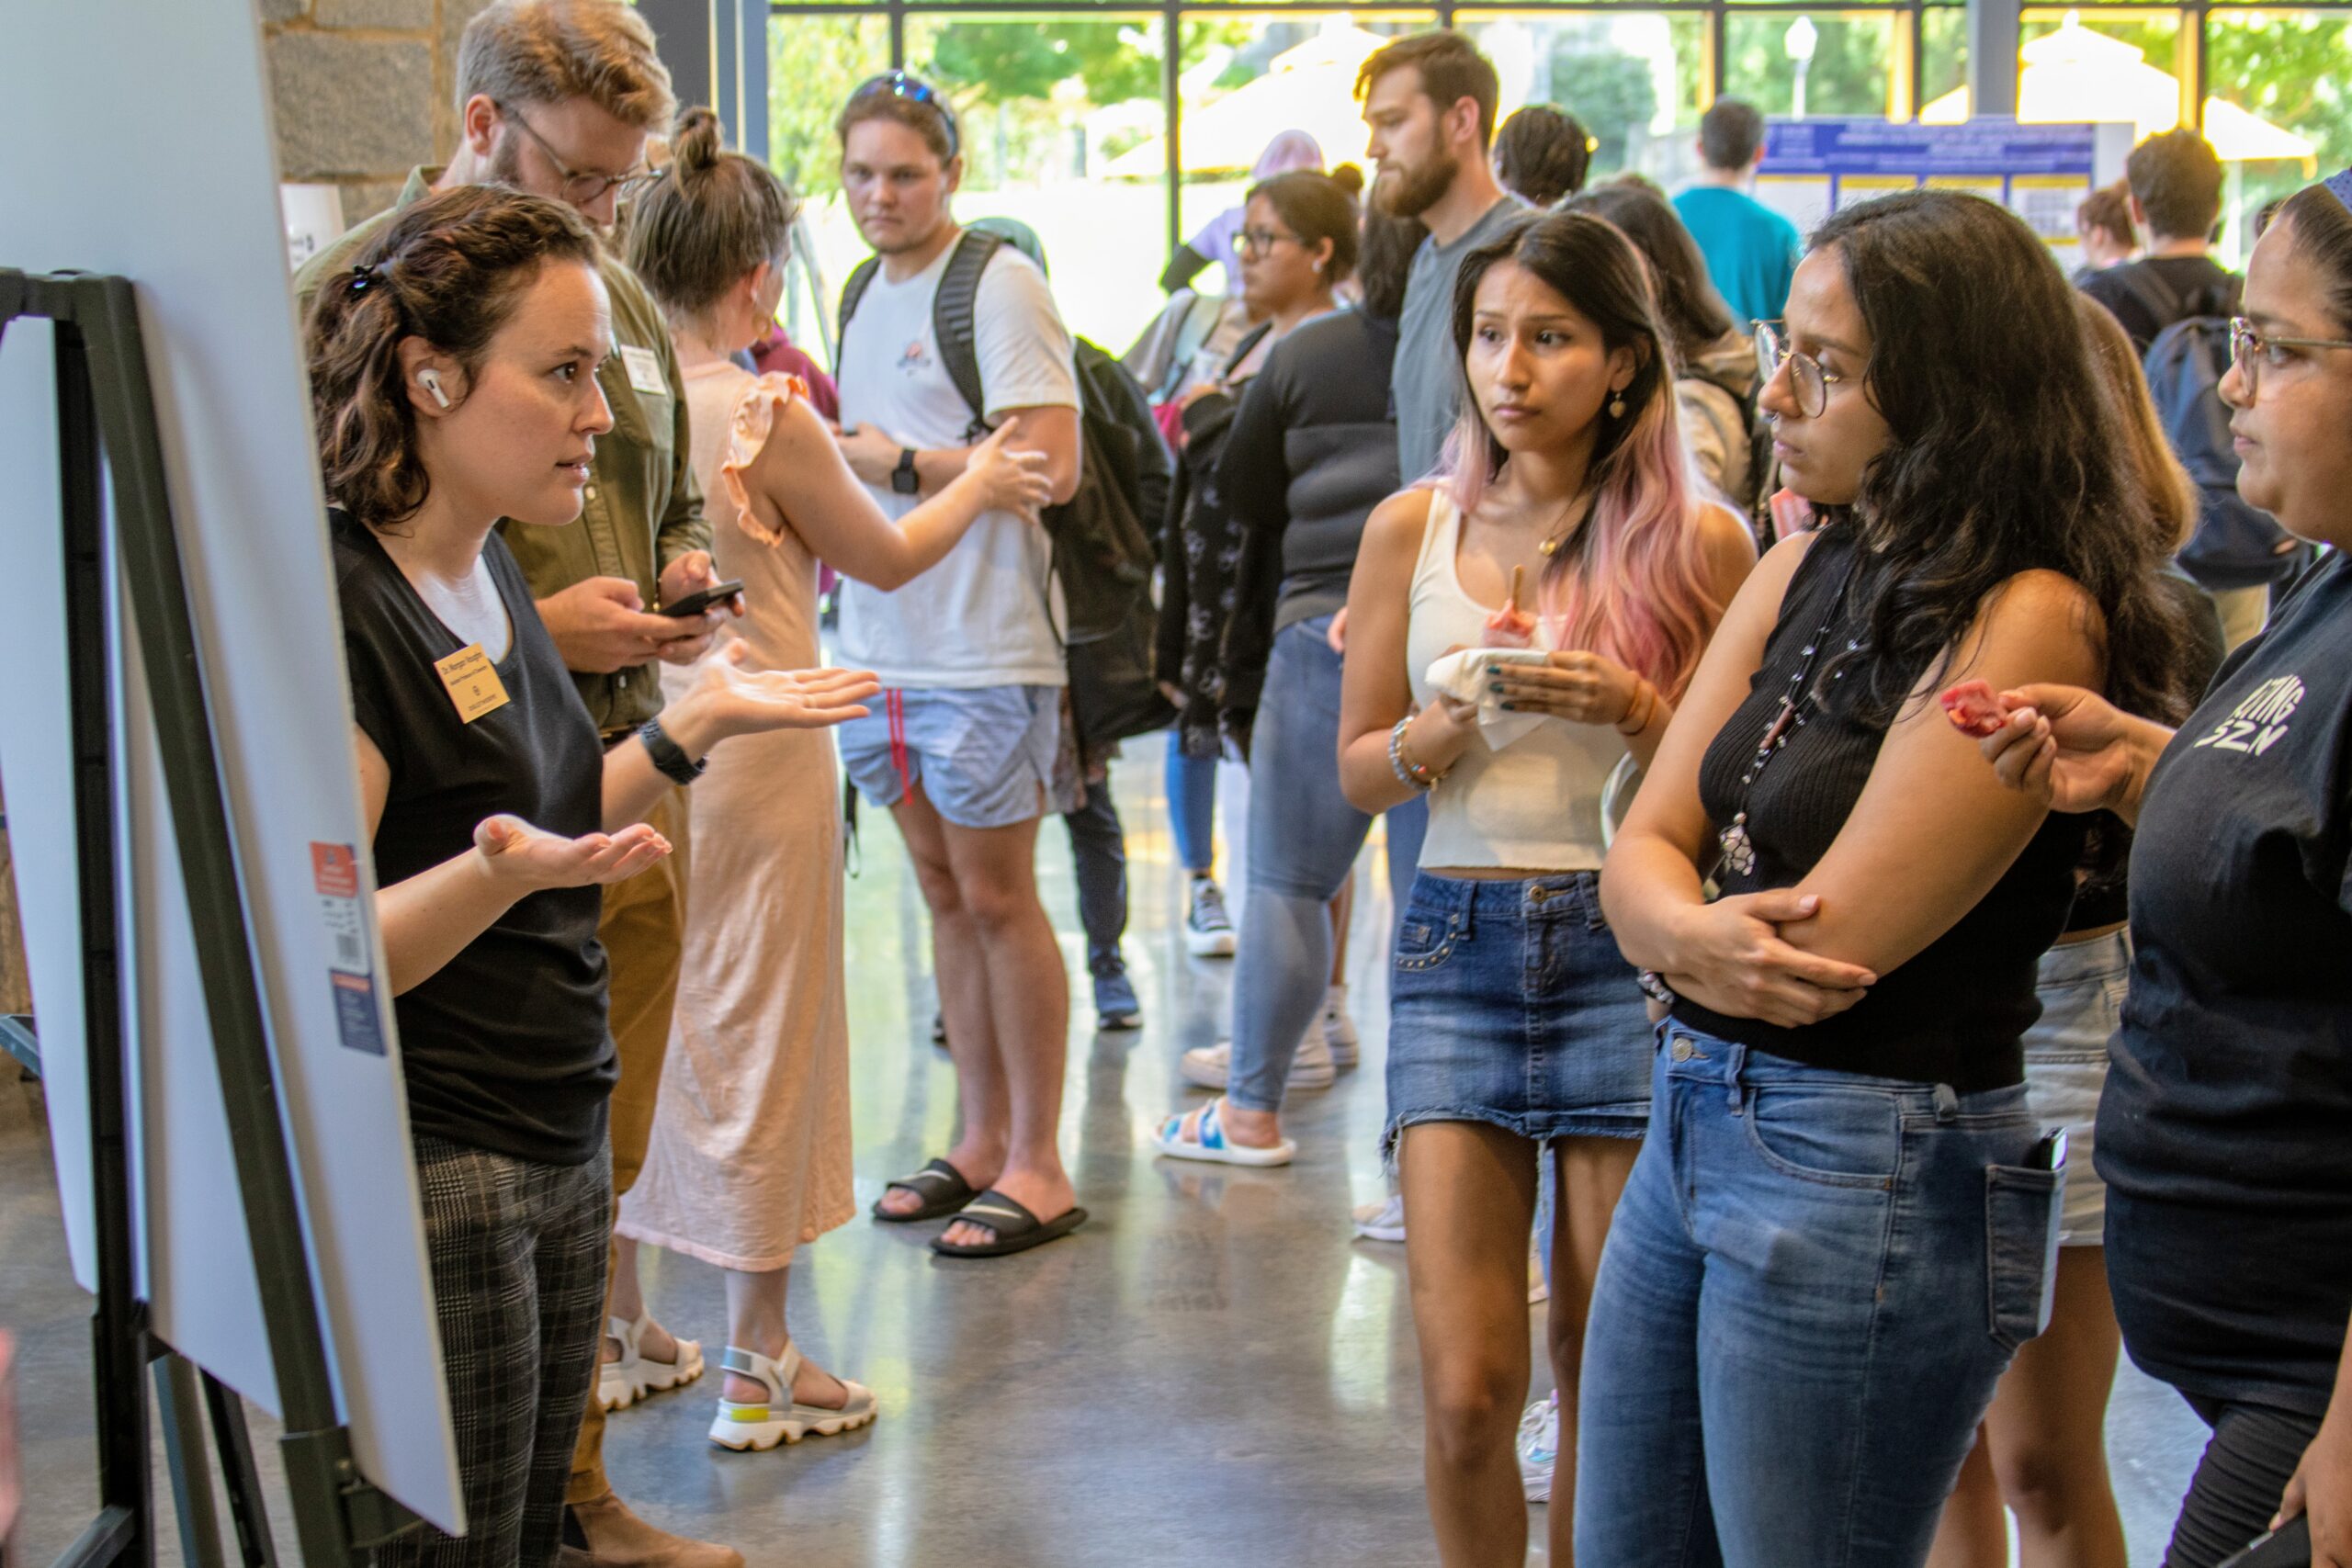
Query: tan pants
[{"x": 645, "y": 919}]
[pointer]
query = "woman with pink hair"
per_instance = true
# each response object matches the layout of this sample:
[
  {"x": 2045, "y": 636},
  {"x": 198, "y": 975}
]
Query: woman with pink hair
[{"x": 1515, "y": 633}]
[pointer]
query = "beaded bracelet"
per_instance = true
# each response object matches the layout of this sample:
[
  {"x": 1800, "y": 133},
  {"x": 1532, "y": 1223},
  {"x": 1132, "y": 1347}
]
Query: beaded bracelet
[{"x": 1409, "y": 774}]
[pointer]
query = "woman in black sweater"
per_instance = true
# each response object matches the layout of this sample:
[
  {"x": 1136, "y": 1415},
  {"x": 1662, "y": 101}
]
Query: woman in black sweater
[{"x": 1311, "y": 452}]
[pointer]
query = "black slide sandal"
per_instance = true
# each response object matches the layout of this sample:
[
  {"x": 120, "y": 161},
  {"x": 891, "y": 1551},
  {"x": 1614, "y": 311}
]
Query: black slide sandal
[
  {"x": 1012, "y": 1223},
  {"x": 941, "y": 1187}
]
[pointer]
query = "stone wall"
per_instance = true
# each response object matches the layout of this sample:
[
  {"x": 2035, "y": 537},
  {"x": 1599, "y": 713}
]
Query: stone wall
[{"x": 364, "y": 91}]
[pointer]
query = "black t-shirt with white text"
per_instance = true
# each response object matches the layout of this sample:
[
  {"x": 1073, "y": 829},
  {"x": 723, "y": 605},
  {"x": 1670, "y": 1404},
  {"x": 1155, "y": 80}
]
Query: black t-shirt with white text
[
  {"x": 2225, "y": 1130},
  {"x": 505, "y": 1047}
]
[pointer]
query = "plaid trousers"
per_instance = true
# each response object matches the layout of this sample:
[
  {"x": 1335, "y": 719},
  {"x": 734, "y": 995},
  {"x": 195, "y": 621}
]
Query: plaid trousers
[{"x": 517, "y": 1250}]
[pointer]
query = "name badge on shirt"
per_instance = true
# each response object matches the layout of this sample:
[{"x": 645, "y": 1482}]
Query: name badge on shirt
[
  {"x": 472, "y": 682},
  {"x": 644, "y": 370}
]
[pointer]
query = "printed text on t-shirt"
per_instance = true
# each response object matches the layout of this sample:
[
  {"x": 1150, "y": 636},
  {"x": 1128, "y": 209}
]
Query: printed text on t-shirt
[{"x": 2260, "y": 721}]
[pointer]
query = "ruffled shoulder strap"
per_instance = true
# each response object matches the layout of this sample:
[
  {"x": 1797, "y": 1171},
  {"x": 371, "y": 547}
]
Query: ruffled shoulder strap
[{"x": 755, "y": 418}]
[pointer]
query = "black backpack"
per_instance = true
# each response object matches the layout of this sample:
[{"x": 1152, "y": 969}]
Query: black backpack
[
  {"x": 2235, "y": 545},
  {"x": 1102, "y": 550}
]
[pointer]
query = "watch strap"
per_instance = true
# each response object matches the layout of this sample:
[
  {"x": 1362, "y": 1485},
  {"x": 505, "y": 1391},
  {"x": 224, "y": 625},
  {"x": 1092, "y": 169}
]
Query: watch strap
[{"x": 670, "y": 759}]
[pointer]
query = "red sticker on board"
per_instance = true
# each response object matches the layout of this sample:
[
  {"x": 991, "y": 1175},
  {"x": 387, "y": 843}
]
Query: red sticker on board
[{"x": 335, "y": 869}]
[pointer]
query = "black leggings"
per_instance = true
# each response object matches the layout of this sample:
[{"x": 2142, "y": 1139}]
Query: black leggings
[{"x": 2252, "y": 1455}]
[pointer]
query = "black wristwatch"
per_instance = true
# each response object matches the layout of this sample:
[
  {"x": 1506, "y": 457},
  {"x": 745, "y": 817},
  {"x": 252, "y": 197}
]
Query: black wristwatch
[
  {"x": 670, "y": 759},
  {"x": 903, "y": 478}
]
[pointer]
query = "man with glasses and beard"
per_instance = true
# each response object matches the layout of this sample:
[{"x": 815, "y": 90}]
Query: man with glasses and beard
[
  {"x": 1429, "y": 101},
  {"x": 557, "y": 98}
]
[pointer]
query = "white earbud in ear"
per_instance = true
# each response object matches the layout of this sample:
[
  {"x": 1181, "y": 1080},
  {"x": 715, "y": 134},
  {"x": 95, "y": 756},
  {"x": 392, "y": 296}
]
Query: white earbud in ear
[{"x": 430, "y": 379}]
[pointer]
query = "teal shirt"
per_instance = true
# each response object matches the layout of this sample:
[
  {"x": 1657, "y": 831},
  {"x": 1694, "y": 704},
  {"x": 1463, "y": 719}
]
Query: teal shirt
[{"x": 1751, "y": 250}]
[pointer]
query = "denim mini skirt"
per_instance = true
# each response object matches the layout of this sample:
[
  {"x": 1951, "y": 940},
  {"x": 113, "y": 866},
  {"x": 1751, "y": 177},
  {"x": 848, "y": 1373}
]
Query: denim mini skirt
[{"x": 1510, "y": 1004}]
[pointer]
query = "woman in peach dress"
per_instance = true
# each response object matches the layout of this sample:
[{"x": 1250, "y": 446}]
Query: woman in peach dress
[{"x": 751, "y": 1149}]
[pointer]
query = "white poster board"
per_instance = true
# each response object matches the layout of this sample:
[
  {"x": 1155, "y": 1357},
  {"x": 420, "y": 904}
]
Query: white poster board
[{"x": 148, "y": 152}]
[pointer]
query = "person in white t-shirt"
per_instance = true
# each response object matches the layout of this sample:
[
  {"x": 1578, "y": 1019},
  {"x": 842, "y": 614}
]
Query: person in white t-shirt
[{"x": 967, "y": 742}]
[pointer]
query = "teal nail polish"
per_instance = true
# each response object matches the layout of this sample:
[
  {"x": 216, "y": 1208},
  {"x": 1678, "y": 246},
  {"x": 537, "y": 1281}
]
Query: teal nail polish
[{"x": 1494, "y": 685}]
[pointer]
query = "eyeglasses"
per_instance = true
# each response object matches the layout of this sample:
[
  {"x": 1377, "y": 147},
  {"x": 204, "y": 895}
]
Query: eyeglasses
[
  {"x": 915, "y": 90},
  {"x": 1254, "y": 243},
  {"x": 582, "y": 189},
  {"x": 2250, "y": 349},
  {"x": 1808, "y": 382}
]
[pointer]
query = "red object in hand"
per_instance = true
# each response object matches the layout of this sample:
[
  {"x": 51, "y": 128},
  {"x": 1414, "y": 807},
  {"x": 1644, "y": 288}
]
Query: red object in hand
[
  {"x": 1974, "y": 710},
  {"x": 1511, "y": 626}
]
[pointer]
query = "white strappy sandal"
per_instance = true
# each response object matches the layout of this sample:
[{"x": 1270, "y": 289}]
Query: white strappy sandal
[
  {"x": 781, "y": 1419},
  {"x": 622, "y": 1383}
]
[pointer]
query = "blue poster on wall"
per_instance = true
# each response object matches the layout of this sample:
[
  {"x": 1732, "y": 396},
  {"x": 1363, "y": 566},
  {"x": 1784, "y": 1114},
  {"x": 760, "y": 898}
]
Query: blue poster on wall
[{"x": 1814, "y": 167}]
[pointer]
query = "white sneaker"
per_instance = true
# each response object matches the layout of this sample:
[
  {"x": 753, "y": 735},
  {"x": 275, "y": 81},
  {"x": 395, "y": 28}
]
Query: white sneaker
[
  {"x": 1338, "y": 1029},
  {"x": 1539, "y": 1446},
  {"x": 1208, "y": 930},
  {"x": 1384, "y": 1221},
  {"x": 623, "y": 1382},
  {"x": 1211, "y": 1065}
]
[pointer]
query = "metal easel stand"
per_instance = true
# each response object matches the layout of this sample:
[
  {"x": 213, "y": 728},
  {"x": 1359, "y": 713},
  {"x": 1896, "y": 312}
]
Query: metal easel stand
[{"x": 105, "y": 412}]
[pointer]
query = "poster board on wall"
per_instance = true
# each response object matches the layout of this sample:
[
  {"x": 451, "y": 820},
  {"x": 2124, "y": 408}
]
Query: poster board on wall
[
  {"x": 155, "y": 161},
  {"x": 1814, "y": 167}
]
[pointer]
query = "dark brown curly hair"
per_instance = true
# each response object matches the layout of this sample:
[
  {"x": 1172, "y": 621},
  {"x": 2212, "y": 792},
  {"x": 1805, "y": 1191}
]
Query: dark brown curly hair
[{"x": 448, "y": 270}]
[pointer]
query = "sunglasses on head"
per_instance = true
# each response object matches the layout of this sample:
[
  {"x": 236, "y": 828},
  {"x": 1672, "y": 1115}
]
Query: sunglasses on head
[{"x": 899, "y": 84}]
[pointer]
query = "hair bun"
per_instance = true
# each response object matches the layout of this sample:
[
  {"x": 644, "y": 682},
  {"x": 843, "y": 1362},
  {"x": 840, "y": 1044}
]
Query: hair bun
[
  {"x": 698, "y": 140},
  {"x": 1349, "y": 178}
]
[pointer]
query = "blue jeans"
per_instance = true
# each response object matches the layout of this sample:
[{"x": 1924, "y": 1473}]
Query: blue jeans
[
  {"x": 1812, "y": 1284},
  {"x": 1098, "y": 853},
  {"x": 1304, "y": 837},
  {"x": 1192, "y": 805}
]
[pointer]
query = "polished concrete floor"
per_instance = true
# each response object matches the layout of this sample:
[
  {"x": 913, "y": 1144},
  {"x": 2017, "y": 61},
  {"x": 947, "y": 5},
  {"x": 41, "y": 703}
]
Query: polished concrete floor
[{"x": 1210, "y": 1373}]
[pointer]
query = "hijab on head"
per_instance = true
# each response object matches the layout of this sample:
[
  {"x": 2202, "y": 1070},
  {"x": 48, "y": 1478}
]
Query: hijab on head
[{"x": 1289, "y": 150}]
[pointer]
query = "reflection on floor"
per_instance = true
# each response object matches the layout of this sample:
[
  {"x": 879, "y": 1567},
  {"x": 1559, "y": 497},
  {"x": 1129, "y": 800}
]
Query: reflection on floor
[{"x": 1212, "y": 1371}]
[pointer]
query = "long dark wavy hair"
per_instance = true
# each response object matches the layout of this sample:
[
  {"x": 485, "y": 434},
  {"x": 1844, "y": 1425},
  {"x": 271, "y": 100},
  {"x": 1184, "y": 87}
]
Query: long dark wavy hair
[
  {"x": 450, "y": 270},
  {"x": 2000, "y": 457}
]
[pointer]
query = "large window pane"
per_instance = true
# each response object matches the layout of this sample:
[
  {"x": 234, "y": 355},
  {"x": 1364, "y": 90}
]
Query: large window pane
[
  {"x": 1249, "y": 77},
  {"x": 1817, "y": 62},
  {"x": 1943, "y": 52},
  {"x": 2270, "y": 73},
  {"x": 2116, "y": 65},
  {"x": 1048, "y": 104},
  {"x": 1633, "y": 78},
  {"x": 813, "y": 63}
]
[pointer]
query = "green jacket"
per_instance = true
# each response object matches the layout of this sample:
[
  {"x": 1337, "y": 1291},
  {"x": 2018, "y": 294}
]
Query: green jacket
[{"x": 642, "y": 509}]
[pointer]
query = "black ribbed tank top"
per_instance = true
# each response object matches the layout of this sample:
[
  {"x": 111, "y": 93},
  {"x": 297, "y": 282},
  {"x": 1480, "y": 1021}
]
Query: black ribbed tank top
[{"x": 1955, "y": 1012}]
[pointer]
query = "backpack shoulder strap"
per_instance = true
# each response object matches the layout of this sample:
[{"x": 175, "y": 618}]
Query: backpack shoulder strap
[
  {"x": 2146, "y": 285},
  {"x": 852, "y": 290},
  {"x": 953, "y": 310}
]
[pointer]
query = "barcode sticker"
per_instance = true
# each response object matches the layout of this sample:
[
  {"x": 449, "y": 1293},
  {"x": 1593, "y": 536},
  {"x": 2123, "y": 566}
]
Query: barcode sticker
[{"x": 334, "y": 870}]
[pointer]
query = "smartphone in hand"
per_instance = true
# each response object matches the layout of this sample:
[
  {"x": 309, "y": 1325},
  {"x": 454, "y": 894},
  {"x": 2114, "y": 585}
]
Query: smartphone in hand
[{"x": 700, "y": 604}]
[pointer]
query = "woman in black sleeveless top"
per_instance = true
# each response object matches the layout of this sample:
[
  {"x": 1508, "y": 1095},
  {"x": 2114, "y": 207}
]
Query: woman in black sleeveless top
[
  {"x": 2225, "y": 1132},
  {"x": 1835, "y": 1235},
  {"x": 453, "y": 378}
]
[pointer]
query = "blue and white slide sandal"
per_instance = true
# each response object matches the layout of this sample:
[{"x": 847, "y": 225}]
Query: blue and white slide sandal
[{"x": 1200, "y": 1134}]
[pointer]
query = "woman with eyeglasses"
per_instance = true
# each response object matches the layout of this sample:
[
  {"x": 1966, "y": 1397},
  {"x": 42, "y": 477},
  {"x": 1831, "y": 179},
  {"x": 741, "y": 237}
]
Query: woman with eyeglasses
[
  {"x": 1515, "y": 633},
  {"x": 1836, "y": 1236},
  {"x": 2222, "y": 1134},
  {"x": 1297, "y": 244}
]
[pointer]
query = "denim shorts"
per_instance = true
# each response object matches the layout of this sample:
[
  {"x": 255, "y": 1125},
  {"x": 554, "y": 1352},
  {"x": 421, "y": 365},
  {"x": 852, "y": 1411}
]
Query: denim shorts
[
  {"x": 1510, "y": 1004},
  {"x": 2081, "y": 987},
  {"x": 985, "y": 755}
]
